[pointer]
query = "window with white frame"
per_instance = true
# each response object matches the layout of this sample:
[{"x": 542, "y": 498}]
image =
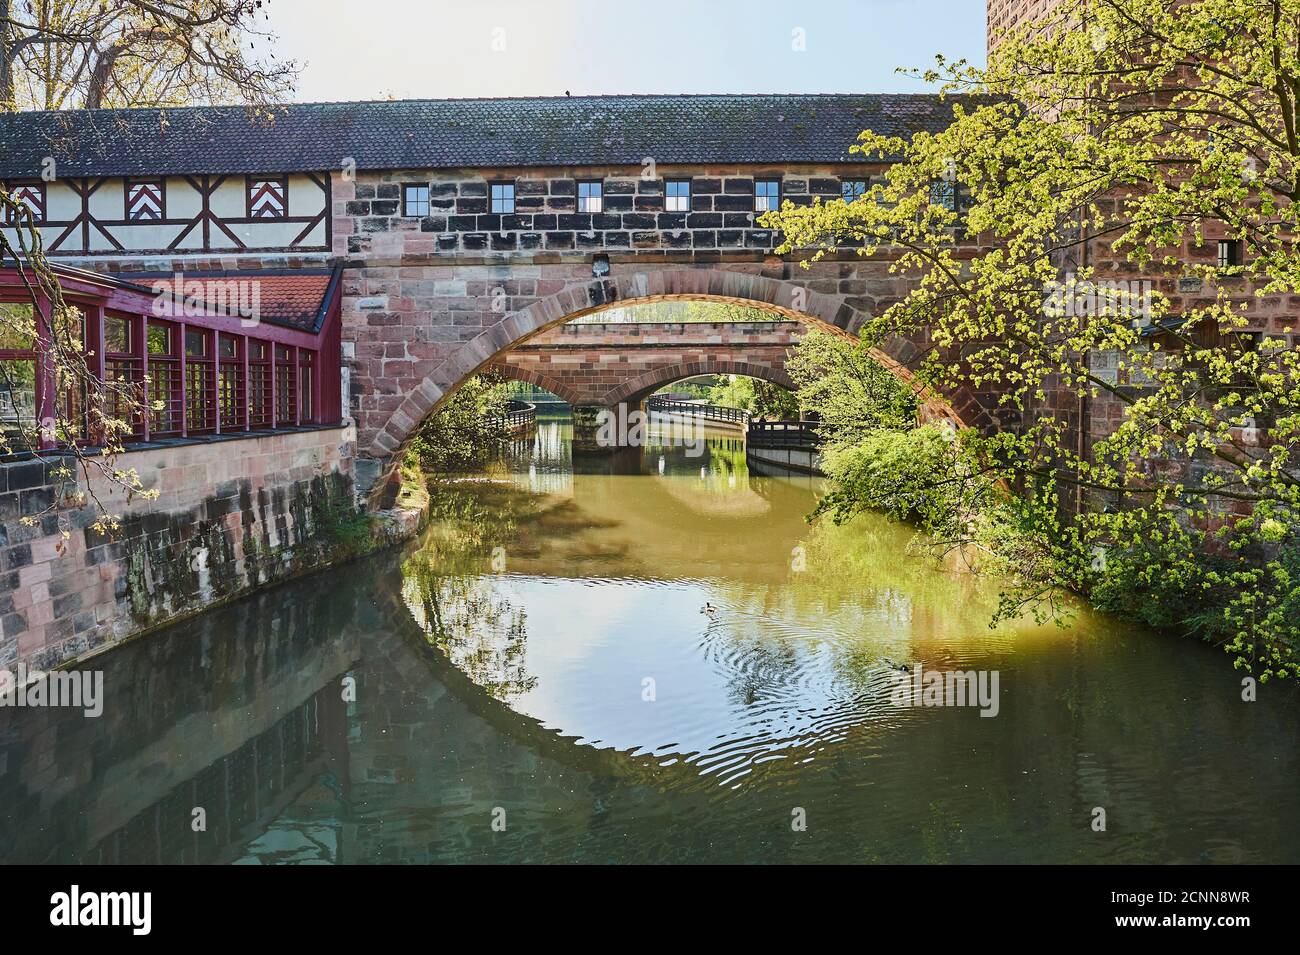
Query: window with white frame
[
  {"x": 677, "y": 195},
  {"x": 503, "y": 197},
  {"x": 767, "y": 195},
  {"x": 589, "y": 195}
]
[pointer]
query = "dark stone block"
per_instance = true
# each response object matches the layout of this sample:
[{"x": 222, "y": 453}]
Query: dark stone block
[
  {"x": 578, "y": 221},
  {"x": 701, "y": 220},
  {"x": 734, "y": 203},
  {"x": 563, "y": 187},
  {"x": 433, "y": 224},
  {"x": 589, "y": 240},
  {"x": 794, "y": 185},
  {"x": 530, "y": 187},
  {"x": 471, "y": 205},
  {"x": 559, "y": 240},
  {"x": 384, "y": 207},
  {"x": 462, "y": 223},
  {"x": 473, "y": 189},
  {"x": 563, "y": 203},
  {"x": 671, "y": 220},
  {"x": 530, "y": 204},
  {"x": 638, "y": 221},
  {"x": 530, "y": 240},
  {"x": 358, "y": 244},
  {"x": 606, "y": 220},
  {"x": 474, "y": 241},
  {"x": 619, "y": 187},
  {"x": 447, "y": 243},
  {"x": 490, "y": 222},
  {"x": 701, "y": 203},
  {"x": 824, "y": 186},
  {"x": 705, "y": 186},
  {"x": 654, "y": 187},
  {"x": 645, "y": 240},
  {"x": 544, "y": 222},
  {"x": 731, "y": 237},
  {"x": 737, "y": 220},
  {"x": 357, "y": 208},
  {"x": 508, "y": 241},
  {"x": 389, "y": 190},
  {"x": 649, "y": 203},
  {"x": 35, "y": 501},
  {"x": 704, "y": 239},
  {"x": 516, "y": 223},
  {"x": 759, "y": 239},
  {"x": 679, "y": 240},
  {"x": 442, "y": 205},
  {"x": 25, "y": 474},
  {"x": 373, "y": 225},
  {"x": 442, "y": 189},
  {"x": 618, "y": 203},
  {"x": 14, "y": 624},
  {"x": 739, "y": 187},
  {"x": 365, "y": 190}
]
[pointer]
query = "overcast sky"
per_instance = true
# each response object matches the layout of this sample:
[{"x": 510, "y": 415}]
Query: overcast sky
[{"x": 374, "y": 49}]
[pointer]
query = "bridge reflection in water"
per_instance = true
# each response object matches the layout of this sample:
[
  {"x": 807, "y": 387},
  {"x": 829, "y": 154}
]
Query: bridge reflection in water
[{"x": 520, "y": 687}]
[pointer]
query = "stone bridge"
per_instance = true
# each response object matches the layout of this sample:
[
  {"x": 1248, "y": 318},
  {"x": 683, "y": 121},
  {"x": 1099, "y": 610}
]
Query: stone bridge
[{"x": 605, "y": 364}]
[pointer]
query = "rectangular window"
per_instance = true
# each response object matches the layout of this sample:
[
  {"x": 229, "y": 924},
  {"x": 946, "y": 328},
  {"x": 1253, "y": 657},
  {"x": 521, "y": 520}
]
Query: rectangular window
[
  {"x": 17, "y": 400},
  {"x": 415, "y": 201},
  {"x": 117, "y": 335},
  {"x": 503, "y": 197},
  {"x": 589, "y": 195},
  {"x": 200, "y": 381},
  {"x": 306, "y": 380},
  {"x": 286, "y": 391},
  {"x": 31, "y": 195},
  {"x": 944, "y": 194},
  {"x": 268, "y": 198},
  {"x": 144, "y": 200},
  {"x": 1229, "y": 253},
  {"x": 230, "y": 384},
  {"x": 767, "y": 195},
  {"x": 677, "y": 195},
  {"x": 851, "y": 189},
  {"x": 259, "y": 384},
  {"x": 164, "y": 380}
]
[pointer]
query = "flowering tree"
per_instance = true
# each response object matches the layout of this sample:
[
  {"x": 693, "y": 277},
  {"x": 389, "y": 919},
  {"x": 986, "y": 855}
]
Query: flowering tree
[{"x": 1115, "y": 142}]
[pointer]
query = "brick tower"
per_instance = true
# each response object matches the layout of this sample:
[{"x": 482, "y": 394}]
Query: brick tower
[{"x": 1004, "y": 15}]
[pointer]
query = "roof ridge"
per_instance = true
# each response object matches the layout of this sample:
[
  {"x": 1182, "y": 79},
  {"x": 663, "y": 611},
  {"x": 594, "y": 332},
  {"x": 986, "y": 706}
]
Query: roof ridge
[{"x": 937, "y": 96}]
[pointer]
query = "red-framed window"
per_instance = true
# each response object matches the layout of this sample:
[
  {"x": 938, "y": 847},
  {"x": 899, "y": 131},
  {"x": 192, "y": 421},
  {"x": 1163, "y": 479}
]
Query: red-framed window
[
  {"x": 259, "y": 384},
  {"x": 123, "y": 368},
  {"x": 232, "y": 383},
  {"x": 166, "y": 396},
  {"x": 306, "y": 385},
  {"x": 18, "y": 374},
  {"x": 200, "y": 380},
  {"x": 286, "y": 386}
]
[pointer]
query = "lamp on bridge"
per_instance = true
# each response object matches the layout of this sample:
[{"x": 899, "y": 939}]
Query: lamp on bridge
[{"x": 599, "y": 266}]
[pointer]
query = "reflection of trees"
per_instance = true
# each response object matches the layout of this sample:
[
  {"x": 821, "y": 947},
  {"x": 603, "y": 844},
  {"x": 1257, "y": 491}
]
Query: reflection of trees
[{"x": 470, "y": 621}]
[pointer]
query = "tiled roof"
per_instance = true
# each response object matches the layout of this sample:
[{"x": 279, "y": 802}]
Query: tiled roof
[
  {"x": 433, "y": 134},
  {"x": 290, "y": 299}
]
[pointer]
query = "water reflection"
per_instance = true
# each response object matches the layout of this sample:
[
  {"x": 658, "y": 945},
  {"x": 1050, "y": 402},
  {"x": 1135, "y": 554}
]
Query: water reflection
[{"x": 383, "y": 712}]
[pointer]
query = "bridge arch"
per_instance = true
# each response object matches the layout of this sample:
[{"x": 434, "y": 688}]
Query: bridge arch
[
  {"x": 528, "y": 376},
  {"x": 644, "y": 385},
  {"x": 793, "y": 298}
]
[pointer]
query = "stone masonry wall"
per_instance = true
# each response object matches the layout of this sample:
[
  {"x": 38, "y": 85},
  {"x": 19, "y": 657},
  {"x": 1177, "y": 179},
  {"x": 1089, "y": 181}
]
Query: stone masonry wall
[
  {"x": 603, "y": 364},
  {"x": 231, "y": 516}
]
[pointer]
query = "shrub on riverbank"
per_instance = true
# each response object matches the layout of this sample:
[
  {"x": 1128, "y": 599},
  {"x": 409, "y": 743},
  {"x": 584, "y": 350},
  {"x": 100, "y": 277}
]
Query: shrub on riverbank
[{"x": 467, "y": 430}]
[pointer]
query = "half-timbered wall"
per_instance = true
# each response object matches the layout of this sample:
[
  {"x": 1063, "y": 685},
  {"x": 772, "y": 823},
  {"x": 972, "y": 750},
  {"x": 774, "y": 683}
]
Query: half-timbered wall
[{"x": 180, "y": 214}]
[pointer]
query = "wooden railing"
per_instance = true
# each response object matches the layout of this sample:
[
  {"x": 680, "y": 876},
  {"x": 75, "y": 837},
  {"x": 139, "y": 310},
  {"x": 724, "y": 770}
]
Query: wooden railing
[
  {"x": 783, "y": 434},
  {"x": 518, "y": 415},
  {"x": 697, "y": 409}
]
